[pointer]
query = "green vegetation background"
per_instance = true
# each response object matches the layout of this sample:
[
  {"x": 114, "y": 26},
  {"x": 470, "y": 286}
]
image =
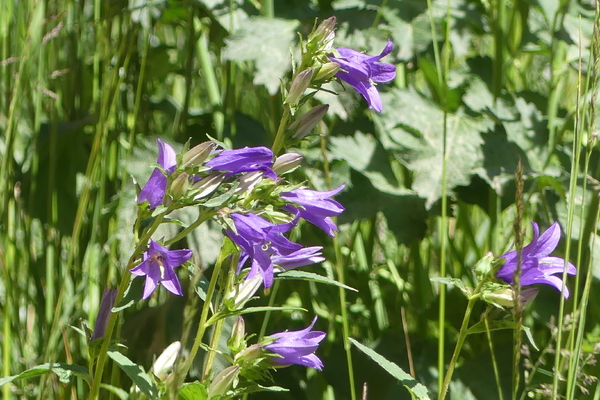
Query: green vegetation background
[{"x": 86, "y": 87}]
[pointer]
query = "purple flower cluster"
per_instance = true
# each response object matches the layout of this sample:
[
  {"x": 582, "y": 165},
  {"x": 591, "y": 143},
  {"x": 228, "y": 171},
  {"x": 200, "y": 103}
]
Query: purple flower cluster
[
  {"x": 297, "y": 347},
  {"x": 537, "y": 266},
  {"x": 261, "y": 242}
]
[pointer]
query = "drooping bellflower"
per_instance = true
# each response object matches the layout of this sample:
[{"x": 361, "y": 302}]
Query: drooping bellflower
[
  {"x": 158, "y": 265},
  {"x": 316, "y": 207},
  {"x": 263, "y": 243},
  {"x": 362, "y": 71},
  {"x": 537, "y": 266},
  {"x": 155, "y": 189},
  {"x": 248, "y": 159},
  {"x": 297, "y": 347}
]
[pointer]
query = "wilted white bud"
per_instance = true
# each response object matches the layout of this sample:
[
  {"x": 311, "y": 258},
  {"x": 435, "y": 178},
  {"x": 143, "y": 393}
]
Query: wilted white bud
[
  {"x": 286, "y": 162},
  {"x": 303, "y": 125},
  {"x": 180, "y": 185},
  {"x": 223, "y": 381},
  {"x": 208, "y": 185},
  {"x": 249, "y": 181},
  {"x": 197, "y": 154},
  {"x": 245, "y": 291},
  {"x": 299, "y": 85},
  {"x": 164, "y": 363}
]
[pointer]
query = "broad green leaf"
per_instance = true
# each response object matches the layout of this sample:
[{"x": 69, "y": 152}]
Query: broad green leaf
[
  {"x": 309, "y": 276},
  {"x": 415, "y": 127},
  {"x": 137, "y": 374},
  {"x": 133, "y": 294},
  {"x": 193, "y": 391},
  {"x": 410, "y": 383},
  {"x": 64, "y": 372},
  {"x": 267, "y": 42}
]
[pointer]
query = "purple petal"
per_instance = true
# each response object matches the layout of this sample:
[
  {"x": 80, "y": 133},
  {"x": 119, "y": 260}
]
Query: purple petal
[
  {"x": 167, "y": 158},
  {"x": 548, "y": 241},
  {"x": 155, "y": 189},
  {"x": 149, "y": 287}
]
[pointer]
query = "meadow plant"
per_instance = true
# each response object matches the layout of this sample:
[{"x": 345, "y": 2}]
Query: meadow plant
[{"x": 225, "y": 222}]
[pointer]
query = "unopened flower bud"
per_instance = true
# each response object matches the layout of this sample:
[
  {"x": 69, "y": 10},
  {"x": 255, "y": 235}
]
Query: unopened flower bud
[
  {"x": 505, "y": 297},
  {"x": 106, "y": 304},
  {"x": 287, "y": 162},
  {"x": 327, "y": 71},
  {"x": 223, "y": 381},
  {"x": 208, "y": 185},
  {"x": 324, "y": 34},
  {"x": 180, "y": 186},
  {"x": 484, "y": 265},
  {"x": 249, "y": 354},
  {"x": 303, "y": 125},
  {"x": 249, "y": 181},
  {"x": 245, "y": 291},
  {"x": 164, "y": 363},
  {"x": 236, "y": 341},
  {"x": 299, "y": 85},
  {"x": 197, "y": 154}
]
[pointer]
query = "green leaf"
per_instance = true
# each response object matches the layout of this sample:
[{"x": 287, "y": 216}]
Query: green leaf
[
  {"x": 137, "y": 374},
  {"x": 120, "y": 393},
  {"x": 267, "y": 42},
  {"x": 193, "y": 391},
  {"x": 453, "y": 281},
  {"x": 418, "y": 135},
  {"x": 64, "y": 372},
  {"x": 310, "y": 276},
  {"x": 410, "y": 383},
  {"x": 133, "y": 294}
]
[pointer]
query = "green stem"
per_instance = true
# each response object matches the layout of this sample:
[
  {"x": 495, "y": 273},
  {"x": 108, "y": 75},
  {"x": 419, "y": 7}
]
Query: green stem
[
  {"x": 460, "y": 341},
  {"x": 204, "y": 216}
]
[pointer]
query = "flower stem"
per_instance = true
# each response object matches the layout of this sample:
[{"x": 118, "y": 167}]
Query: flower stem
[{"x": 462, "y": 335}]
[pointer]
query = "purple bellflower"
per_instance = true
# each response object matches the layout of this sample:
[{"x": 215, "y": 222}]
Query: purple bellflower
[
  {"x": 297, "y": 347},
  {"x": 106, "y": 304},
  {"x": 317, "y": 207},
  {"x": 264, "y": 244},
  {"x": 248, "y": 159},
  {"x": 361, "y": 71},
  {"x": 155, "y": 189},
  {"x": 537, "y": 267},
  {"x": 158, "y": 266}
]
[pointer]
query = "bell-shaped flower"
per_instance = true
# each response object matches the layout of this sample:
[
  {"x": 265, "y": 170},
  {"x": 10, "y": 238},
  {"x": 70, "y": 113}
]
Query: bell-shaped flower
[
  {"x": 158, "y": 265},
  {"x": 297, "y": 347},
  {"x": 362, "y": 71},
  {"x": 316, "y": 207},
  {"x": 155, "y": 189},
  {"x": 247, "y": 159},
  {"x": 265, "y": 246},
  {"x": 537, "y": 266}
]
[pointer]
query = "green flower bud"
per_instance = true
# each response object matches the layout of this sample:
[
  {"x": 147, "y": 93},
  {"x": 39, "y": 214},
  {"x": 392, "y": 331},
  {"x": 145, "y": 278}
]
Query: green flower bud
[
  {"x": 236, "y": 341},
  {"x": 249, "y": 181},
  {"x": 196, "y": 155},
  {"x": 286, "y": 163},
  {"x": 484, "y": 266},
  {"x": 327, "y": 71},
  {"x": 324, "y": 34},
  {"x": 180, "y": 186},
  {"x": 303, "y": 125},
  {"x": 223, "y": 381},
  {"x": 299, "y": 85},
  {"x": 244, "y": 291},
  {"x": 249, "y": 354}
]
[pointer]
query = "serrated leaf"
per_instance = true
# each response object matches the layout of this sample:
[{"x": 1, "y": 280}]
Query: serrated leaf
[
  {"x": 310, "y": 276},
  {"x": 64, "y": 372},
  {"x": 416, "y": 126},
  {"x": 137, "y": 374},
  {"x": 267, "y": 42},
  {"x": 410, "y": 383}
]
